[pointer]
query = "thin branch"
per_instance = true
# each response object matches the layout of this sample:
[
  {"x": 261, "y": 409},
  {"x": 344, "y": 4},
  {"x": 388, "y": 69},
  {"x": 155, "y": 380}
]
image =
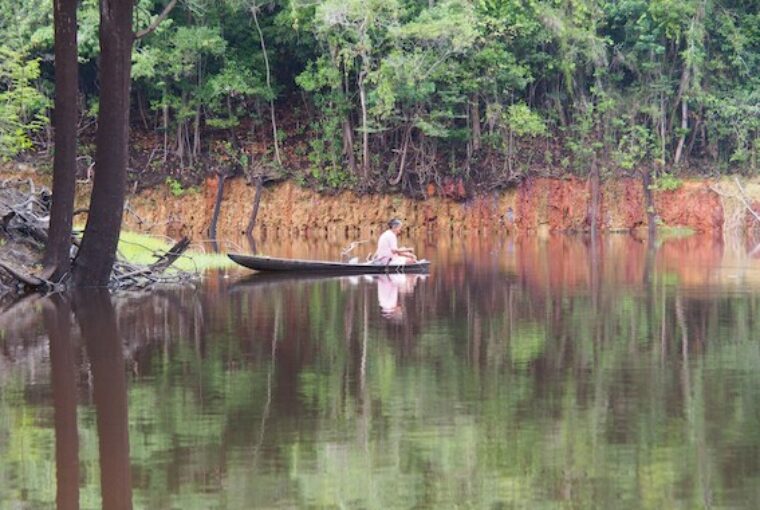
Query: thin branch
[{"x": 157, "y": 21}]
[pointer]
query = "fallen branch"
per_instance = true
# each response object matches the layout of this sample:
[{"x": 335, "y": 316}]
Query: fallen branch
[
  {"x": 168, "y": 258},
  {"x": 742, "y": 197},
  {"x": 24, "y": 218},
  {"x": 28, "y": 280}
]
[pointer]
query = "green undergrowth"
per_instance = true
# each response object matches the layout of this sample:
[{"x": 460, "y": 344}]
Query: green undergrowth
[
  {"x": 674, "y": 232},
  {"x": 139, "y": 248}
]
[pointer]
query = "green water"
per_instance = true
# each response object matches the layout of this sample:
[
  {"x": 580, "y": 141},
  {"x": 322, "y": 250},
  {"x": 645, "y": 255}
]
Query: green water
[{"x": 518, "y": 374}]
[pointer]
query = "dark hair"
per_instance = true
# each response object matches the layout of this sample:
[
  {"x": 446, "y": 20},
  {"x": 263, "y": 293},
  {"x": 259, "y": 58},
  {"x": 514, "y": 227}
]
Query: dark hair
[{"x": 395, "y": 222}]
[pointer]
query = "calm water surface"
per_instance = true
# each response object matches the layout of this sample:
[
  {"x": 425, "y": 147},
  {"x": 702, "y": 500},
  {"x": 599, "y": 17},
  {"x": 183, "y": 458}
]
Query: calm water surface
[{"x": 520, "y": 373}]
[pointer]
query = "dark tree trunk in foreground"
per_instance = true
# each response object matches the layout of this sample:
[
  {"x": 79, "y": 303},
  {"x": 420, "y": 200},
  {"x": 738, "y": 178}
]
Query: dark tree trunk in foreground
[
  {"x": 97, "y": 321},
  {"x": 57, "y": 259},
  {"x": 101, "y": 236},
  {"x": 63, "y": 379}
]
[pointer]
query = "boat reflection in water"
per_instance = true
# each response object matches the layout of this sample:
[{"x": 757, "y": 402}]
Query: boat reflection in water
[{"x": 389, "y": 288}]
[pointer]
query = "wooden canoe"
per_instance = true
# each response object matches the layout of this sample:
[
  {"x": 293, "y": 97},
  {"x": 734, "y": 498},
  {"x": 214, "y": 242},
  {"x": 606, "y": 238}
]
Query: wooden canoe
[{"x": 273, "y": 264}]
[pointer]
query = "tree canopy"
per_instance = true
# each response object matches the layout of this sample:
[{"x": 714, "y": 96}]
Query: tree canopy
[{"x": 408, "y": 92}]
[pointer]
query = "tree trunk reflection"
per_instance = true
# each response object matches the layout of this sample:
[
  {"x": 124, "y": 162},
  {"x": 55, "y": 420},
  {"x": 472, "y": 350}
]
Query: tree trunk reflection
[
  {"x": 97, "y": 321},
  {"x": 57, "y": 317}
]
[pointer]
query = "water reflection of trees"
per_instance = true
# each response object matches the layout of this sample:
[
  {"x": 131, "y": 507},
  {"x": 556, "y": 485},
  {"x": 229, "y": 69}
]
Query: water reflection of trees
[{"x": 517, "y": 376}]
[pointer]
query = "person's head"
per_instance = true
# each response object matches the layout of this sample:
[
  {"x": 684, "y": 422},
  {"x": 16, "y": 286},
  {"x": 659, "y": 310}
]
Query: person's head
[{"x": 395, "y": 225}]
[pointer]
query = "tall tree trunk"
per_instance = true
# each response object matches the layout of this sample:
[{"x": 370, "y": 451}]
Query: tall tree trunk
[
  {"x": 101, "y": 236},
  {"x": 217, "y": 205},
  {"x": 255, "y": 210},
  {"x": 97, "y": 321},
  {"x": 365, "y": 132},
  {"x": 254, "y": 11},
  {"x": 682, "y": 89},
  {"x": 63, "y": 379},
  {"x": 57, "y": 257},
  {"x": 694, "y": 37}
]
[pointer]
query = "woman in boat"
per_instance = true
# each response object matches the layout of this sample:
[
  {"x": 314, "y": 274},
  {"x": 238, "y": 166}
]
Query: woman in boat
[{"x": 388, "y": 251}]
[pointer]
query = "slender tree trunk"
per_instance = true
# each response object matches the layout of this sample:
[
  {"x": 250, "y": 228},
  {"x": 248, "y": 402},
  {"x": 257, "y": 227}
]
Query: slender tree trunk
[
  {"x": 694, "y": 36},
  {"x": 254, "y": 11},
  {"x": 348, "y": 144},
  {"x": 595, "y": 199},
  {"x": 97, "y": 321},
  {"x": 190, "y": 158},
  {"x": 217, "y": 205},
  {"x": 197, "y": 132},
  {"x": 646, "y": 181},
  {"x": 141, "y": 109},
  {"x": 255, "y": 210},
  {"x": 475, "y": 115},
  {"x": 684, "y": 128},
  {"x": 57, "y": 318},
  {"x": 96, "y": 256},
  {"x": 682, "y": 88},
  {"x": 663, "y": 134},
  {"x": 180, "y": 142},
  {"x": 166, "y": 130},
  {"x": 365, "y": 132},
  {"x": 402, "y": 162},
  {"x": 57, "y": 257}
]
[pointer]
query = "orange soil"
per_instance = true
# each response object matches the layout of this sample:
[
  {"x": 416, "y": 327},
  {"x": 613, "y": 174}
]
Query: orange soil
[{"x": 557, "y": 205}]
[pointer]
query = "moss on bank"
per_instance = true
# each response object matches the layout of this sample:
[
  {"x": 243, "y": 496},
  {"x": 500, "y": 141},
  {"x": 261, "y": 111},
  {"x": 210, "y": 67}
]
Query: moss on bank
[{"x": 142, "y": 249}]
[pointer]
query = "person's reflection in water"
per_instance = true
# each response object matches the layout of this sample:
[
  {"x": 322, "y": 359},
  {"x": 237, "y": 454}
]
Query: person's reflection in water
[
  {"x": 389, "y": 286},
  {"x": 57, "y": 317},
  {"x": 97, "y": 321}
]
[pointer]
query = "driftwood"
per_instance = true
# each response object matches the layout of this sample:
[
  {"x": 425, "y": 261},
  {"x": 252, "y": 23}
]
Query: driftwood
[
  {"x": 28, "y": 280},
  {"x": 741, "y": 196},
  {"x": 25, "y": 217},
  {"x": 126, "y": 275},
  {"x": 25, "y": 220}
]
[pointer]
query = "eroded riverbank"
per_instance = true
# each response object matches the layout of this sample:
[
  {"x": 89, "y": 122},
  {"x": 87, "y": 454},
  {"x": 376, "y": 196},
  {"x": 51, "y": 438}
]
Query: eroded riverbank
[{"x": 537, "y": 205}]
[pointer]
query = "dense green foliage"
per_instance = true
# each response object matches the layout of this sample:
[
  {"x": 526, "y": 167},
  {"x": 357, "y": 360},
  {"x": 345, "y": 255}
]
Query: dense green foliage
[{"x": 407, "y": 92}]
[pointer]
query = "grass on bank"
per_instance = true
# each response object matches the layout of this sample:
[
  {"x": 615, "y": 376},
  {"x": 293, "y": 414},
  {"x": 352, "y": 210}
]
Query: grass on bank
[
  {"x": 666, "y": 232},
  {"x": 142, "y": 249}
]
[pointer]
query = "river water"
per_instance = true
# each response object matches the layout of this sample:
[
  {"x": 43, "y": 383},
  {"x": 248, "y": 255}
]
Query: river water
[{"x": 521, "y": 373}]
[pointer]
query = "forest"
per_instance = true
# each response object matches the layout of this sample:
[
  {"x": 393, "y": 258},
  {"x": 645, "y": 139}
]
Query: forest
[{"x": 379, "y": 95}]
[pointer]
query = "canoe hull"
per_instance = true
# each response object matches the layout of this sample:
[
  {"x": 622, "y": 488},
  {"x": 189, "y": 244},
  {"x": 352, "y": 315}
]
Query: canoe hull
[{"x": 273, "y": 264}]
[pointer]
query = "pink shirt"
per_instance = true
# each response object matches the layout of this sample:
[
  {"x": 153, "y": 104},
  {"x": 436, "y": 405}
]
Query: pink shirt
[{"x": 385, "y": 245}]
